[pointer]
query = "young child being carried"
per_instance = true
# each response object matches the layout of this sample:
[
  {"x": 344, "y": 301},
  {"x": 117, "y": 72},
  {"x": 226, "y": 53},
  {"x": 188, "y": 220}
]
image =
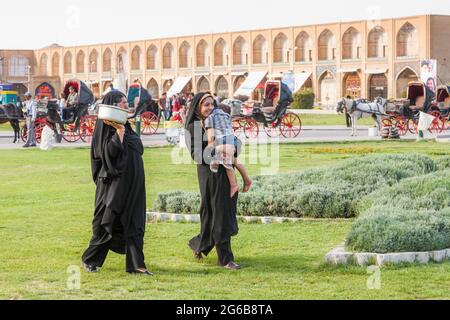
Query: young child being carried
[{"x": 221, "y": 136}]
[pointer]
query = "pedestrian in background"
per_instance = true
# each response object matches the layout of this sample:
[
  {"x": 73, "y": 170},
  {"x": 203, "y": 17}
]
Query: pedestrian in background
[{"x": 31, "y": 113}]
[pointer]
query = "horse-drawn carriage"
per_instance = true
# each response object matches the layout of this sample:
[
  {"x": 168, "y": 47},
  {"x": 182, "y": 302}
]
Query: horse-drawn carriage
[
  {"x": 141, "y": 104},
  {"x": 406, "y": 114},
  {"x": 272, "y": 113},
  {"x": 10, "y": 109},
  {"x": 78, "y": 124},
  {"x": 443, "y": 104}
]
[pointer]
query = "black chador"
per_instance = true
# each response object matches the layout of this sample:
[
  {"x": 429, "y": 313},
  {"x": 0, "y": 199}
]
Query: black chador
[
  {"x": 120, "y": 200},
  {"x": 218, "y": 210}
]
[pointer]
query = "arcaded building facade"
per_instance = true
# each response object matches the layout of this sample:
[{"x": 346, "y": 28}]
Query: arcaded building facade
[{"x": 360, "y": 58}]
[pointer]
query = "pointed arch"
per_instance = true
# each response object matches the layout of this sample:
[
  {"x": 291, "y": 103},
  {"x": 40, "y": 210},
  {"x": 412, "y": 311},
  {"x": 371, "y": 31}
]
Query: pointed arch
[
  {"x": 303, "y": 47},
  {"x": 260, "y": 55},
  {"x": 93, "y": 61},
  {"x": 281, "y": 49},
  {"x": 406, "y": 75},
  {"x": 203, "y": 85},
  {"x": 107, "y": 60},
  {"x": 202, "y": 59},
  {"x": 153, "y": 88},
  {"x": 80, "y": 61},
  {"x": 55, "y": 64},
  {"x": 152, "y": 57},
  {"x": 351, "y": 44},
  {"x": 240, "y": 51},
  {"x": 136, "y": 55},
  {"x": 68, "y": 62},
  {"x": 185, "y": 55},
  {"x": 220, "y": 53},
  {"x": 122, "y": 61},
  {"x": 222, "y": 89},
  {"x": 327, "y": 45},
  {"x": 168, "y": 56},
  {"x": 327, "y": 88},
  {"x": 407, "y": 41},
  {"x": 43, "y": 65},
  {"x": 377, "y": 43}
]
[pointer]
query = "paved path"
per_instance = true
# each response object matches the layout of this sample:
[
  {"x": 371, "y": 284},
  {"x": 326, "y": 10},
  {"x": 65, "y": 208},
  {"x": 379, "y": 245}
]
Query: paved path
[{"x": 308, "y": 134}]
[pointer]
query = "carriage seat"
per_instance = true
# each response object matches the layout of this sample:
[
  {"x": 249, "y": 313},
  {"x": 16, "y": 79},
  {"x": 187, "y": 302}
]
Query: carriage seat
[
  {"x": 418, "y": 105},
  {"x": 268, "y": 109},
  {"x": 270, "y": 105}
]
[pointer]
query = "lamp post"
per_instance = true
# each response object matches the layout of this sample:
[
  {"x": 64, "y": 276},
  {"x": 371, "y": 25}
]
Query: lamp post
[
  {"x": 29, "y": 77},
  {"x": 1, "y": 69}
]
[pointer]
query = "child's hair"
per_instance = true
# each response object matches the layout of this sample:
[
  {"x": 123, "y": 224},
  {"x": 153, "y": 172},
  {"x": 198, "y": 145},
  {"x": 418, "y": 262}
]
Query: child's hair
[{"x": 225, "y": 108}]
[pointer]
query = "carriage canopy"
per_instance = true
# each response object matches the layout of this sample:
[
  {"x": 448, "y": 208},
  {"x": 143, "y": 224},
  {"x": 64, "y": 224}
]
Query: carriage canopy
[
  {"x": 419, "y": 89},
  {"x": 86, "y": 96},
  {"x": 251, "y": 82},
  {"x": 443, "y": 92},
  {"x": 178, "y": 86},
  {"x": 138, "y": 94}
]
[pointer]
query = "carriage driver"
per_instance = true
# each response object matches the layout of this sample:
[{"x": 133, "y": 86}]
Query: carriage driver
[
  {"x": 31, "y": 112},
  {"x": 71, "y": 104}
]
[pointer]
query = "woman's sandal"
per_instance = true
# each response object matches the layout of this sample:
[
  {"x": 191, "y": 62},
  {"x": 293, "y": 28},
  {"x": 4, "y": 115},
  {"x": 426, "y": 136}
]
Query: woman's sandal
[
  {"x": 142, "y": 272},
  {"x": 197, "y": 255},
  {"x": 232, "y": 266}
]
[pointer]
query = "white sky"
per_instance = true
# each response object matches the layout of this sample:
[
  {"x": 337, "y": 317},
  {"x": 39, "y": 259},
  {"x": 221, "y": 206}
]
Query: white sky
[{"x": 31, "y": 24}]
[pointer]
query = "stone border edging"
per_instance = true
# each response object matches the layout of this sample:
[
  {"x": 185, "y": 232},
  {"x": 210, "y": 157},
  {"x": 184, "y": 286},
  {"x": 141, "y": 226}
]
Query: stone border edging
[
  {"x": 195, "y": 218},
  {"x": 443, "y": 139},
  {"x": 339, "y": 256}
]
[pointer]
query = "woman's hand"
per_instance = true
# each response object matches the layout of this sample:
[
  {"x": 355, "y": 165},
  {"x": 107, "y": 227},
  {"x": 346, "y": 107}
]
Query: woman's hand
[{"x": 120, "y": 128}]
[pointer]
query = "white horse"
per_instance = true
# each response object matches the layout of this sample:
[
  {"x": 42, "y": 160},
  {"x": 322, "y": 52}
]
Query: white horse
[{"x": 358, "y": 109}]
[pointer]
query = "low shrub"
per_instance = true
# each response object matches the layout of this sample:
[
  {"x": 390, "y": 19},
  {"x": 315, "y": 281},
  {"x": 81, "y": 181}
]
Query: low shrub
[
  {"x": 303, "y": 99},
  {"x": 332, "y": 192},
  {"x": 413, "y": 215},
  {"x": 443, "y": 163}
]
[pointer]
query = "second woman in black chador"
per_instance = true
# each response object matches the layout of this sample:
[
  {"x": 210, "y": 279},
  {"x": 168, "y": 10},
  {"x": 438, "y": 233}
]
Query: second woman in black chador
[{"x": 218, "y": 210}]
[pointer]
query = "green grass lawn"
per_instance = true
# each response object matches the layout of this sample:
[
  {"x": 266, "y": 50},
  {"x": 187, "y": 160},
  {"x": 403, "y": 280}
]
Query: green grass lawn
[
  {"x": 46, "y": 205},
  {"x": 5, "y": 127}
]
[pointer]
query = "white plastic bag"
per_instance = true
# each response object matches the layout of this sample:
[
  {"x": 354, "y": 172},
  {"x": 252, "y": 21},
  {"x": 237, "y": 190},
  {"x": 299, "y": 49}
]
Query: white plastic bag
[
  {"x": 182, "y": 143},
  {"x": 425, "y": 121},
  {"x": 47, "y": 139}
]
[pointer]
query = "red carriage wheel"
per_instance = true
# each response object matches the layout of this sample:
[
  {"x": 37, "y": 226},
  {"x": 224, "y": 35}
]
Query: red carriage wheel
[
  {"x": 436, "y": 126},
  {"x": 251, "y": 128},
  {"x": 38, "y": 127},
  {"x": 149, "y": 123},
  {"x": 291, "y": 125},
  {"x": 402, "y": 125},
  {"x": 24, "y": 133},
  {"x": 87, "y": 127},
  {"x": 238, "y": 126},
  {"x": 445, "y": 123},
  {"x": 387, "y": 122},
  {"x": 71, "y": 134},
  {"x": 272, "y": 130},
  {"x": 413, "y": 125}
]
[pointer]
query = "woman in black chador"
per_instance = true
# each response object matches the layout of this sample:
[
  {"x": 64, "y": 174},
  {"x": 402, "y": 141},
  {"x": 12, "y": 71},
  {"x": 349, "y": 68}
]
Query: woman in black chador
[
  {"x": 120, "y": 203},
  {"x": 218, "y": 209}
]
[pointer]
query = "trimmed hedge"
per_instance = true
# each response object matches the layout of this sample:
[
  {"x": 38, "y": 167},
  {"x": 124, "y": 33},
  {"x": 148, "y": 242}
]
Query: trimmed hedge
[
  {"x": 303, "y": 99},
  {"x": 332, "y": 192},
  {"x": 413, "y": 215},
  {"x": 443, "y": 163}
]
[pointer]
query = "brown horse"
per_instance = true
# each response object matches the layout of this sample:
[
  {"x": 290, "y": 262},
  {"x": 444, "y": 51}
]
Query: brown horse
[{"x": 12, "y": 114}]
